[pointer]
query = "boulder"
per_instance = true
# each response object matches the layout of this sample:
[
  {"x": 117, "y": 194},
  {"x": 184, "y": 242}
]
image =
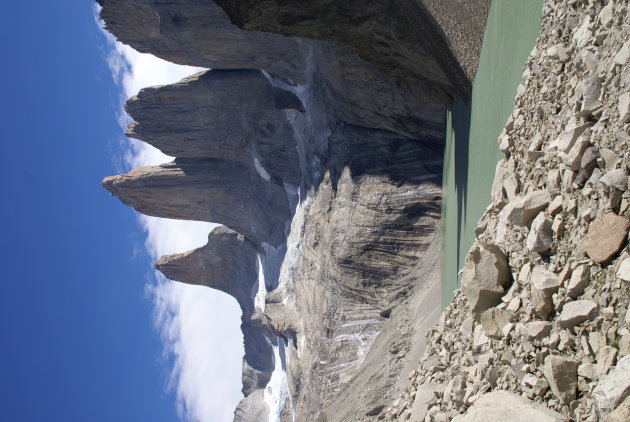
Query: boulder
[
  {"x": 561, "y": 373},
  {"x": 499, "y": 406},
  {"x": 565, "y": 141},
  {"x": 531, "y": 204},
  {"x": 616, "y": 179},
  {"x": 559, "y": 52},
  {"x": 555, "y": 206},
  {"x": 621, "y": 413},
  {"x": 544, "y": 284},
  {"x": 479, "y": 337},
  {"x": 575, "y": 313},
  {"x": 580, "y": 278},
  {"x": 590, "y": 89},
  {"x": 536, "y": 330},
  {"x": 623, "y": 272},
  {"x": 606, "y": 357},
  {"x": 424, "y": 395},
  {"x": 613, "y": 389},
  {"x": 540, "y": 236},
  {"x": 624, "y": 107},
  {"x": 606, "y": 236},
  {"x": 485, "y": 276},
  {"x": 622, "y": 55},
  {"x": 493, "y": 321}
]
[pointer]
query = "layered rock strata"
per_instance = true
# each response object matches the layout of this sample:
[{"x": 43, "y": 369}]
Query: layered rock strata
[{"x": 557, "y": 331}]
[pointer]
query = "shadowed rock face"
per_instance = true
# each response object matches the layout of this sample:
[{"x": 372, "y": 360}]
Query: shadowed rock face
[
  {"x": 198, "y": 118},
  {"x": 400, "y": 37},
  {"x": 199, "y": 33},
  {"x": 207, "y": 190}
]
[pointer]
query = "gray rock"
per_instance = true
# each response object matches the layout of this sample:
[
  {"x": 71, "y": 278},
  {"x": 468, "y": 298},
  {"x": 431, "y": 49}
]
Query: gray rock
[
  {"x": 583, "y": 34},
  {"x": 520, "y": 211},
  {"x": 493, "y": 322},
  {"x": 425, "y": 394},
  {"x": 587, "y": 370},
  {"x": 497, "y": 185},
  {"x": 615, "y": 178},
  {"x": 580, "y": 278},
  {"x": 587, "y": 165},
  {"x": 575, "y": 313},
  {"x": 609, "y": 157},
  {"x": 624, "y": 107},
  {"x": 613, "y": 389},
  {"x": 566, "y": 140},
  {"x": 536, "y": 330},
  {"x": 479, "y": 337},
  {"x": 622, "y": 55},
  {"x": 540, "y": 235},
  {"x": 621, "y": 413},
  {"x": 623, "y": 272},
  {"x": 544, "y": 284},
  {"x": 606, "y": 357},
  {"x": 215, "y": 191},
  {"x": 561, "y": 373},
  {"x": 499, "y": 406},
  {"x": 573, "y": 157},
  {"x": 590, "y": 89},
  {"x": 486, "y": 274},
  {"x": 559, "y": 52},
  {"x": 555, "y": 206}
]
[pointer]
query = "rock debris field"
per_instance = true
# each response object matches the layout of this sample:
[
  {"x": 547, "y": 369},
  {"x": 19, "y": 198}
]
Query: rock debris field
[{"x": 540, "y": 329}]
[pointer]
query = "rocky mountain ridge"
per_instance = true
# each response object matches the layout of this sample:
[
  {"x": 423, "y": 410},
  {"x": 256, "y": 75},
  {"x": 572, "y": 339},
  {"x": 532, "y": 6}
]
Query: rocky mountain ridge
[{"x": 332, "y": 191}]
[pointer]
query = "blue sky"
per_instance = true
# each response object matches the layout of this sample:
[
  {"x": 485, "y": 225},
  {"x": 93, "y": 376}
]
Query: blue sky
[{"x": 79, "y": 341}]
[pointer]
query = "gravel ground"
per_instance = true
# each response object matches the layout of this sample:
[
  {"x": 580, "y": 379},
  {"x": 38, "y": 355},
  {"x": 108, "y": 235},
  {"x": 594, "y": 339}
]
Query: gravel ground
[{"x": 463, "y": 23}]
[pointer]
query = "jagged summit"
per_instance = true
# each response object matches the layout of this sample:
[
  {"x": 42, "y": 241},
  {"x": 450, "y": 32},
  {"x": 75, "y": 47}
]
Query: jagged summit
[
  {"x": 210, "y": 190},
  {"x": 228, "y": 262},
  {"x": 323, "y": 161},
  {"x": 234, "y": 115}
]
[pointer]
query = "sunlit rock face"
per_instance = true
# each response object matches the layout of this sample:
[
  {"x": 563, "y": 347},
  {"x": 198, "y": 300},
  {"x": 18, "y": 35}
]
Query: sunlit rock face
[
  {"x": 210, "y": 190},
  {"x": 198, "y": 118},
  {"x": 323, "y": 161}
]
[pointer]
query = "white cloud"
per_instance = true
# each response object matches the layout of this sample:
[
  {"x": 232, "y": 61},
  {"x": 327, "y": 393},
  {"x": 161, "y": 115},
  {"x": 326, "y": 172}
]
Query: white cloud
[{"x": 200, "y": 327}]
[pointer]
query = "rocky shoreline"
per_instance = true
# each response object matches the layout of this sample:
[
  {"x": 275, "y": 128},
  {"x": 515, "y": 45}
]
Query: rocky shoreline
[{"x": 541, "y": 325}]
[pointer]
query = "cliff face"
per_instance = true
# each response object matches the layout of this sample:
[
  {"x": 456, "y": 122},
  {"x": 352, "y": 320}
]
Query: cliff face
[
  {"x": 400, "y": 37},
  {"x": 199, "y": 33},
  {"x": 323, "y": 162},
  {"x": 207, "y": 190},
  {"x": 229, "y": 263},
  {"x": 197, "y": 118}
]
